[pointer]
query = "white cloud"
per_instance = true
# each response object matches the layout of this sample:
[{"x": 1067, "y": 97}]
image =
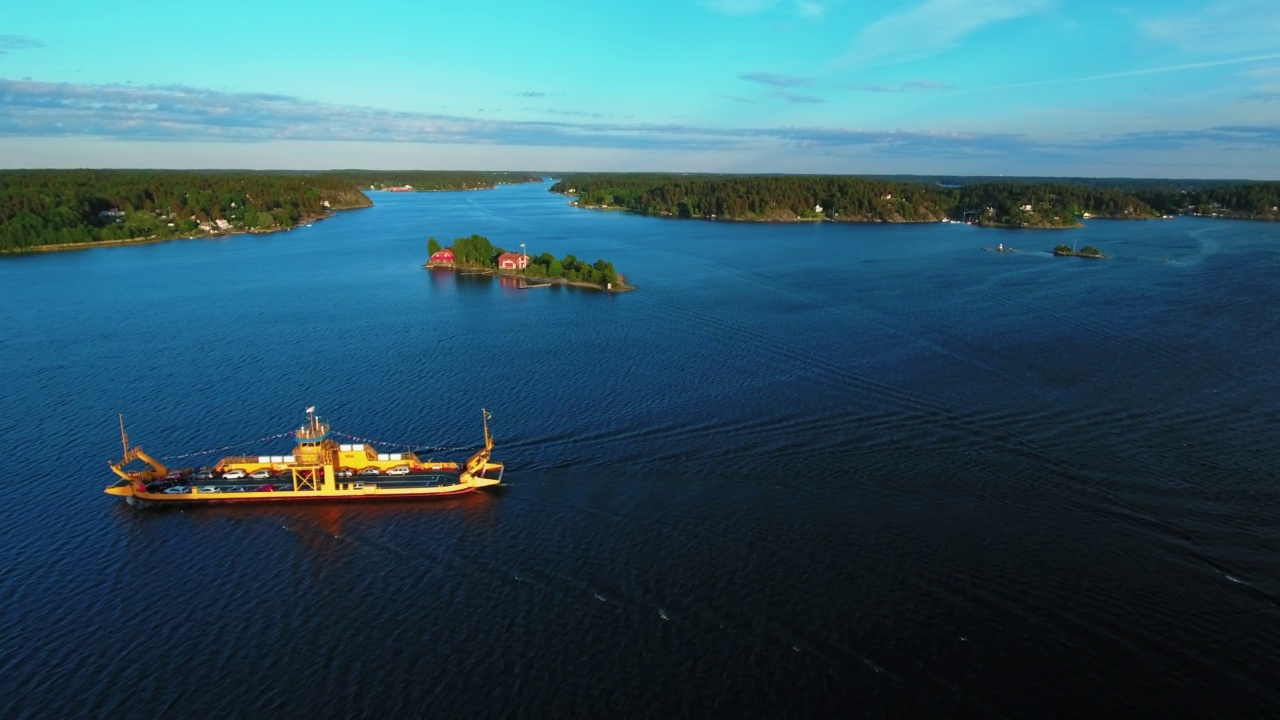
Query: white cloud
[
  {"x": 811, "y": 10},
  {"x": 17, "y": 42},
  {"x": 185, "y": 114},
  {"x": 796, "y": 98},
  {"x": 43, "y": 124},
  {"x": 776, "y": 79},
  {"x": 913, "y": 86},
  {"x": 931, "y": 28},
  {"x": 1221, "y": 27},
  {"x": 808, "y": 9},
  {"x": 739, "y": 7}
]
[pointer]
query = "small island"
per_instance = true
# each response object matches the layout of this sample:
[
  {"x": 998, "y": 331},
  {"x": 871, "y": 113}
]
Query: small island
[
  {"x": 476, "y": 254},
  {"x": 1088, "y": 251},
  {"x": 431, "y": 180}
]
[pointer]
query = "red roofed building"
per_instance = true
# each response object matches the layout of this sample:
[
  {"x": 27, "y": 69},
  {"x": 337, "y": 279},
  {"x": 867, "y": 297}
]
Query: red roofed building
[
  {"x": 513, "y": 261},
  {"x": 444, "y": 256}
]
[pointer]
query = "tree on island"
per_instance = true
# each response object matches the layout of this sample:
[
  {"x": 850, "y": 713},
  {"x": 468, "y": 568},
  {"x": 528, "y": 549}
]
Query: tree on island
[
  {"x": 1091, "y": 251},
  {"x": 572, "y": 269},
  {"x": 433, "y": 246},
  {"x": 475, "y": 250}
]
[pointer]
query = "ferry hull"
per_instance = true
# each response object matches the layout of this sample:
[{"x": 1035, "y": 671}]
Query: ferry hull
[
  {"x": 319, "y": 469},
  {"x": 151, "y": 499}
]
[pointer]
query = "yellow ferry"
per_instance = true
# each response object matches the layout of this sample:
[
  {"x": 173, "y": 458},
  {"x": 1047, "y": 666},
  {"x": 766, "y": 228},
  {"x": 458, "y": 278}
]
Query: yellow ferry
[{"x": 320, "y": 468}]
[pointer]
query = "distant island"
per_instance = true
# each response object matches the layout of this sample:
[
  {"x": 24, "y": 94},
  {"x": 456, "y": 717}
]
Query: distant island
[
  {"x": 43, "y": 210},
  {"x": 1088, "y": 251},
  {"x": 431, "y": 180},
  {"x": 477, "y": 254},
  {"x": 988, "y": 202}
]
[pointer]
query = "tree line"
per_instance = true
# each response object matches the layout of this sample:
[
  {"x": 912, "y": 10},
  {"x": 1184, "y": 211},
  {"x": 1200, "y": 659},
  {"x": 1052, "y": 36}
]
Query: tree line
[
  {"x": 431, "y": 180},
  {"x": 987, "y": 201},
  {"x": 1260, "y": 201},
  {"x": 56, "y": 207},
  {"x": 48, "y": 207}
]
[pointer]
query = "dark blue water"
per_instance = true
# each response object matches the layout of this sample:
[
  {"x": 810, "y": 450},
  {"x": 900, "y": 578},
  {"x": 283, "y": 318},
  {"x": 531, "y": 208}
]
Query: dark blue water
[{"x": 805, "y": 470}]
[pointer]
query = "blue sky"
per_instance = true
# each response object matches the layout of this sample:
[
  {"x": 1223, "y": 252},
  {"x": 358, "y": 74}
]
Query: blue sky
[{"x": 1016, "y": 87}]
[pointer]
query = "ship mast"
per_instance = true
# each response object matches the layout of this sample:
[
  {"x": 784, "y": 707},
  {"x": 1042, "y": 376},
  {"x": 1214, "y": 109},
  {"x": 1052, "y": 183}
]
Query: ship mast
[{"x": 155, "y": 468}]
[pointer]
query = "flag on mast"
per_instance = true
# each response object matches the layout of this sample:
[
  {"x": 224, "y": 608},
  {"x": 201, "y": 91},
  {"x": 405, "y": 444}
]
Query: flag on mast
[{"x": 311, "y": 409}]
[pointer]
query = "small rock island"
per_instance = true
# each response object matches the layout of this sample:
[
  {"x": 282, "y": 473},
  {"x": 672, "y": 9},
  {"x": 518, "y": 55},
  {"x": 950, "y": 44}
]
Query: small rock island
[
  {"x": 476, "y": 254},
  {"x": 1088, "y": 251}
]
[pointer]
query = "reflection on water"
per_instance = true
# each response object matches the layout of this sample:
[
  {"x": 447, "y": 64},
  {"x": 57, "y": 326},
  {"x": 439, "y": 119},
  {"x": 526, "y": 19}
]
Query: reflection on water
[{"x": 820, "y": 469}]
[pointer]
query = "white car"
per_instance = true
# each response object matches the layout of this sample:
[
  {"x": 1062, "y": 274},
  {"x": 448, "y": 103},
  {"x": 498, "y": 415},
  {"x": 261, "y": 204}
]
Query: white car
[
  {"x": 370, "y": 471},
  {"x": 259, "y": 474},
  {"x": 234, "y": 475},
  {"x": 178, "y": 490},
  {"x": 210, "y": 489},
  {"x": 399, "y": 470},
  {"x": 345, "y": 473}
]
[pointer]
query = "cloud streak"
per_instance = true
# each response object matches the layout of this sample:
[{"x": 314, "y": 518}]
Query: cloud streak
[
  {"x": 9, "y": 43},
  {"x": 1135, "y": 73},
  {"x": 914, "y": 86},
  {"x": 930, "y": 29},
  {"x": 776, "y": 79},
  {"x": 796, "y": 97},
  {"x": 1220, "y": 27},
  {"x": 808, "y": 9},
  {"x": 739, "y": 7},
  {"x": 183, "y": 114},
  {"x": 1223, "y": 137}
]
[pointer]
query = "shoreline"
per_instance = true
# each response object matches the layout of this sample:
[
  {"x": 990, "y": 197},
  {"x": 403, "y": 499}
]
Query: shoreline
[
  {"x": 529, "y": 282},
  {"x": 68, "y": 247},
  {"x": 995, "y": 226},
  {"x": 837, "y": 220}
]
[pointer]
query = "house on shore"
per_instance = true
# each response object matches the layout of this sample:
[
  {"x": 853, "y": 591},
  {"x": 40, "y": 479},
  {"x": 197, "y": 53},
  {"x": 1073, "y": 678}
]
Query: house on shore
[
  {"x": 442, "y": 257},
  {"x": 512, "y": 261}
]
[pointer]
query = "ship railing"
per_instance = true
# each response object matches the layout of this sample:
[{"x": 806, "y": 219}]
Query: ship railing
[{"x": 243, "y": 459}]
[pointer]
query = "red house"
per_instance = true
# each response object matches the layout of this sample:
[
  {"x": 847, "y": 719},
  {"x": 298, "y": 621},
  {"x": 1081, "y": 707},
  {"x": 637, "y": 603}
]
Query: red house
[
  {"x": 513, "y": 261},
  {"x": 444, "y": 256}
]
